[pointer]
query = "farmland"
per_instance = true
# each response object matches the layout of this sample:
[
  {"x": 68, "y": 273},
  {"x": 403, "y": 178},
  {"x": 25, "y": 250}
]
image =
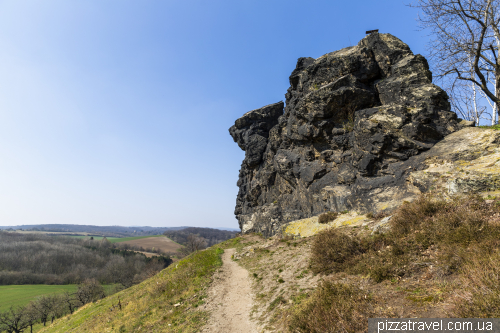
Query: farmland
[
  {"x": 22, "y": 294},
  {"x": 18, "y": 295},
  {"x": 159, "y": 242},
  {"x": 115, "y": 239}
]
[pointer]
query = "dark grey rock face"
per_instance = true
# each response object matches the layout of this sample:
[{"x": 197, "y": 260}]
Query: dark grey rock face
[{"x": 355, "y": 123}]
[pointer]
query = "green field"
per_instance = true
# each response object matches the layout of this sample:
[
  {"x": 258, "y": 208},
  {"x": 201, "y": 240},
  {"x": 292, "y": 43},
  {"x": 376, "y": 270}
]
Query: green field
[
  {"x": 22, "y": 294},
  {"x": 118, "y": 240},
  {"x": 96, "y": 238},
  {"x": 17, "y": 295}
]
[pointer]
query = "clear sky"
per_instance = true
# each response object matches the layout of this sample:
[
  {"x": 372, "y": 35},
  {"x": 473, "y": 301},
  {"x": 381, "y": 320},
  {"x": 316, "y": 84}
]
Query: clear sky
[{"x": 117, "y": 112}]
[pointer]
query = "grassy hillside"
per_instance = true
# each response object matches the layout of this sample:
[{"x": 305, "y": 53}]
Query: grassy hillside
[
  {"x": 436, "y": 257},
  {"x": 166, "y": 302}
]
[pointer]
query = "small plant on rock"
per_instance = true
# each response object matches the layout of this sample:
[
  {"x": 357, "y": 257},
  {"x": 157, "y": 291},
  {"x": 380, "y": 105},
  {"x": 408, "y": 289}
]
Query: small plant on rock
[{"x": 327, "y": 217}]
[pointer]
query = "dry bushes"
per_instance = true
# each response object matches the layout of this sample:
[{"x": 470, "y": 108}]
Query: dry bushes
[
  {"x": 332, "y": 251},
  {"x": 327, "y": 217},
  {"x": 333, "y": 307},
  {"x": 451, "y": 226},
  {"x": 460, "y": 221},
  {"x": 481, "y": 282},
  {"x": 462, "y": 233}
]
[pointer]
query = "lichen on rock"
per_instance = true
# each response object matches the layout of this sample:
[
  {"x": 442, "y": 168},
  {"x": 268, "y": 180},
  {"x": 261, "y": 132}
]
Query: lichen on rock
[{"x": 354, "y": 127}]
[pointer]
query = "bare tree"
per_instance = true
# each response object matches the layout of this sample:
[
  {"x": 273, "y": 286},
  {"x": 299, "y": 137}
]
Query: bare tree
[
  {"x": 43, "y": 306},
  {"x": 465, "y": 43},
  {"x": 89, "y": 291},
  {"x": 58, "y": 308},
  {"x": 466, "y": 100},
  {"x": 31, "y": 315},
  {"x": 14, "y": 320},
  {"x": 71, "y": 302},
  {"x": 195, "y": 243}
]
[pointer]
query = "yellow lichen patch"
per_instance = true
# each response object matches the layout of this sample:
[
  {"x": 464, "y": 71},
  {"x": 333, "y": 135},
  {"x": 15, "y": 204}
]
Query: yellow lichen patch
[
  {"x": 486, "y": 164},
  {"x": 353, "y": 221},
  {"x": 305, "y": 227},
  {"x": 310, "y": 226},
  {"x": 490, "y": 194}
]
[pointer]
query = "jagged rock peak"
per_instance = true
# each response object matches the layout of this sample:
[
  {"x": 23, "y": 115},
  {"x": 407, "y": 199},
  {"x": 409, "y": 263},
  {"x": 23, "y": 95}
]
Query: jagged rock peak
[{"x": 356, "y": 120}]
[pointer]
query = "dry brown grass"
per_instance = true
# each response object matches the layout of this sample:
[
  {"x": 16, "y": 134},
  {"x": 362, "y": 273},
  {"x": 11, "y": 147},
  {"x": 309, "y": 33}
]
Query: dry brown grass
[
  {"x": 163, "y": 243},
  {"x": 451, "y": 227},
  {"x": 480, "y": 277},
  {"x": 327, "y": 217},
  {"x": 333, "y": 251},
  {"x": 460, "y": 236},
  {"x": 333, "y": 307}
]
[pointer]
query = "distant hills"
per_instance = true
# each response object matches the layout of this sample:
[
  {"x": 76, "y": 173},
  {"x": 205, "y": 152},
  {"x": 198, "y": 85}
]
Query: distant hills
[{"x": 109, "y": 231}]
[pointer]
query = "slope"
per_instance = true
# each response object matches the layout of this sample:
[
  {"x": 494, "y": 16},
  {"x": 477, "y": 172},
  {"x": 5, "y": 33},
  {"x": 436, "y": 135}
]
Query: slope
[{"x": 167, "y": 302}]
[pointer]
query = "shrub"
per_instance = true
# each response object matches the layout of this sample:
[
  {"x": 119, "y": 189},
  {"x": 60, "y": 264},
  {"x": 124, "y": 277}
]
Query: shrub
[
  {"x": 327, "y": 217},
  {"x": 481, "y": 281},
  {"x": 452, "y": 227},
  {"x": 461, "y": 221},
  {"x": 333, "y": 307},
  {"x": 332, "y": 250}
]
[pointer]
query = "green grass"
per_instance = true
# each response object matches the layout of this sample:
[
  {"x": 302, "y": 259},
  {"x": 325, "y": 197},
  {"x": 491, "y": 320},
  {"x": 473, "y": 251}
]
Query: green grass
[
  {"x": 22, "y": 294},
  {"x": 495, "y": 127},
  {"x": 150, "y": 305},
  {"x": 18, "y": 295},
  {"x": 111, "y": 239}
]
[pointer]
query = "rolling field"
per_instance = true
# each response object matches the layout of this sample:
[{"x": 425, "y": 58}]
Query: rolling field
[
  {"x": 128, "y": 239},
  {"x": 111, "y": 239},
  {"x": 157, "y": 241},
  {"x": 160, "y": 242},
  {"x": 116, "y": 239}
]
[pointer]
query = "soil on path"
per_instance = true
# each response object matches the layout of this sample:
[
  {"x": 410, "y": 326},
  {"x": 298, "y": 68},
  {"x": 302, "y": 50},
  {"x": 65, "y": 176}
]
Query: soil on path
[{"x": 230, "y": 299}]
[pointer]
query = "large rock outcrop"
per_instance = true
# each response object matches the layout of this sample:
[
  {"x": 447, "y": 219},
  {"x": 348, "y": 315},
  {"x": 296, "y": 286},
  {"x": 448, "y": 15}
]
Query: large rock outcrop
[{"x": 354, "y": 127}]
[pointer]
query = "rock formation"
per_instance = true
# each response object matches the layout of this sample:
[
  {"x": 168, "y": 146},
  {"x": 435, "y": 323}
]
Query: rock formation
[{"x": 355, "y": 125}]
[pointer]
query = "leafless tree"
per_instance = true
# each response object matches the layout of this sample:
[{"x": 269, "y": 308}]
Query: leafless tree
[
  {"x": 465, "y": 45},
  {"x": 90, "y": 291},
  {"x": 71, "y": 302},
  {"x": 58, "y": 308},
  {"x": 14, "y": 320},
  {"x": 466, "y": 100},
  {"x": 195, "y": 243},
  {"x": 31, "y": 315},
  {"x": 43, "y": 306}
]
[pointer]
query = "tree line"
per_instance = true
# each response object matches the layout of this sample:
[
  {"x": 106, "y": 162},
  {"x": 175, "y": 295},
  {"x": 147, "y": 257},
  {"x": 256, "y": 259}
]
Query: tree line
[
  {"x": 48, "y": 308},
  {"x": 42, "y": 259},
  {"x": 195, "y": 239}
]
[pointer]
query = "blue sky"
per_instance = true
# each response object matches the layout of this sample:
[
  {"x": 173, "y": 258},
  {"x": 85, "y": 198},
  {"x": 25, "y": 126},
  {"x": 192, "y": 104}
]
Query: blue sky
[{"x": 117, "y": 112}]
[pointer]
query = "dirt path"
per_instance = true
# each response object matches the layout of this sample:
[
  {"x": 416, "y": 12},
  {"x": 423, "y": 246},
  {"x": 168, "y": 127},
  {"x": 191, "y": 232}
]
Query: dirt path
[{"x": 230, "y": 299}]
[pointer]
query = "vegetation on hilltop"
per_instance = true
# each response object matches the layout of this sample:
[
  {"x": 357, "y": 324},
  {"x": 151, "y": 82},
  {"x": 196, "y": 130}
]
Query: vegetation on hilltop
[
  {"x": 439, "y": 257},
  {"x": 42, "y": 259},
  {"x": 208, "y": 236},
  {"x": 110, "y": 231}
]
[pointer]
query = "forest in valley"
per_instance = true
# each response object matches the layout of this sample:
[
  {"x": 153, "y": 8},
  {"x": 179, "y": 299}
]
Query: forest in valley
[{"x": 42, "y": 259}]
